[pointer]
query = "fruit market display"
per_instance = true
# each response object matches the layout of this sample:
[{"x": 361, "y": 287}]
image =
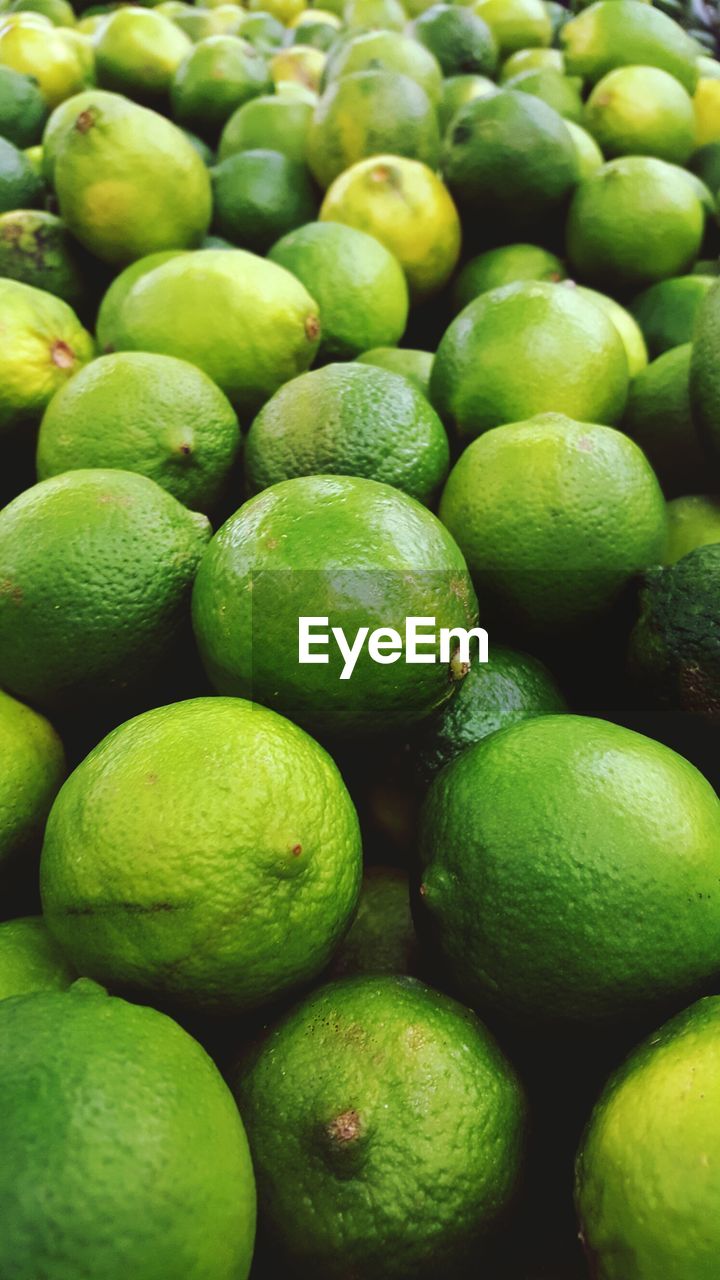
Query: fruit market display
[{"x": 360, "y": 640}]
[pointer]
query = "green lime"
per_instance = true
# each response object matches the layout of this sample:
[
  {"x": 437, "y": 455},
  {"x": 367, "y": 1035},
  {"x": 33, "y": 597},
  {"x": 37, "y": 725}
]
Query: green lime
[
  {"x": 163, "y": 200},
  {"x": 569, "y": 872},
  {"x": 516, "y": 24},
  {"x": 704, "y": 372},
  {"x": 358, "y": 284},
  {"x": 23, "y": 110},
  {"x": 705, "y": 163},
  {"x": 382, "y": 937},
  {"x": 507, "y": 264},
  {"x": 218, "y": 76},
  {"x": 43, "y": 345},
  {"x": 462, "y": 43},
  {"x": 406, "y": 206},
  {"x": 34, "y": 767},
  {"x": 282, "y": 124},
  {"x": 658, "y": 416},
  {"x": 674, "y": 652},
  {"x": 37, "y": 249},
  {"x": 509, "y": 687},
  {"x": 509, "y": 157},
  {"x": 366, "y": 113},
  {"x": 456, "y": 91},
  {"x": 30, "y": 959},
  {"x": 274, "y": 841},
  {"x": 635, "y": 221},
  {"x": 360, "y": 553},
  {"x": 554, "y": 518},
  {"x": 622, "y": 33},
  {"x": 693, "y": 521},
  {"x": 259, "y": 196},
  {"x": 372, "y": 1094},
  {"x": 62, "y": 121},
  {"x": 137, "y": 52},
  {"x": 247, "y": 323},
  {"x": 20, "y": 185},
  {"x": 532, "y": 58},
  {"x": 349, "y": 419},
  {"x": 645, "y": 1183},
  {"x": 559, "y": 91},
  {"x": 641, "y": 111},
  {"x": 263, "y": 31},
  {"x": 117, "y": 1128},
  {"x": 625, "y": 323},
  {"x": 90, "y": 617},
  {"x": 316, "y": 29},
  {"x": 409, "y": 363},
  {"x": 524, "y": 349},
  {"x": 152, "y": 414},
  {"x": 667, "y": 311},
  {"x": 111, "y": 306},
  {"x": 587, "y": 152},
  {"x": 59, "y": 12}
]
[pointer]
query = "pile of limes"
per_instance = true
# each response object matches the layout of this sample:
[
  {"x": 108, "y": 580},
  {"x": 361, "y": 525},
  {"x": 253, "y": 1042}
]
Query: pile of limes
[{"x": 359, "y": 640}]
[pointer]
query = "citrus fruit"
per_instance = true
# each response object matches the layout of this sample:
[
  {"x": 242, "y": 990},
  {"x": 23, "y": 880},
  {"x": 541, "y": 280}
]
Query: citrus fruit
[
  {"x": 90, "y": 616},
  {"x": 504, "y": 265},
  {"x": 531, "y": 58},
  {"x": 554, "y": 517},
  {"x": 658, "y": 416},
  {"x": 367, "y": 113},
  {"x": 247, "y": 323},
  {"x": 587, "y": 152},
  {"x": 355, "y": 551},
  {"x": 316, "y": 28},
  {"x": 674, "y": 654},
  {"x": 667, "y": 311},
  {"x": 300, "y": 64},
  {"x": 408, "y": 209},
  {"x": 62, "y": 121},
  {"x": 349, "y": 419},
  {"x": 59, "y": 12},
  {"x": 152, "y": 414},
  {"x": 33, "y": 771},
  {"x": 43, "y": 345},
  {"x": 20, "y": 185},
  {"x": 645, "y": 1184},
  {"x": 569, "y": 871},
  {"x": 388, "y": 51},
  {"x": 409, "y": 363},
  {"x": 159, "y": 199},
  {"x": 117, "y": 1128},
  {"x": 240, "y": 815},
  {"x": 622, "y": 33},
  {"x": 641, "y": 111},
  {"x": 636, "y": 220},
  {"x": 37, "y": 249},
  {"x": 23, "y": 110},
  {"x": 705, "y": 374},
  {"x": 509, "y": 687},
  {"x": 44, "y": 54},
  {"x": 217, "y": 77},
  {"x": 516, "y": 24},
  {"x": 137, "y": 52},
  {"x": 528, "y": 348},
  {"x": 286, "y": 11},
  {"x": 693, "y": 521},
  {"x": 462, "y": 43},
  {"x": 367, "y": 15},
  {"x": 706, "y": 104},
  {"x": 263, "y": 31},
  {"x": 112, "y": 302},
  {"x": 627, "y": 326},
  {"x": 281, "y": 124},
  {"x": 382, "y": 937},
  {"x": 457, "y": 90},
  {"x": 358, "y": 284},
  {"x": 559, "y": 91},
  {"x": 30, "y": 959},
  {"x": 259, "y": 196},
  {"x": 201, "y": 24},
  {"x": 368, "y": 1095},
  {"x": 708, "y": 67},
  {"x": 509, "y": 157}
]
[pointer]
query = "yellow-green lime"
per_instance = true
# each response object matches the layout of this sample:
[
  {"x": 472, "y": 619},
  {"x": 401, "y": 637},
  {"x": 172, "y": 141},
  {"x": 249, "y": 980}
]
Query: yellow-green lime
[
  {"x": 504, "y": 265},
  {"x": 89, "y": 619},
  {"x": 625, "y": 323},
  {"x": 217, "y": 77},
  {"x": 43, "y": 345},
  {"x": 349, "y": 419},
  {"x": 525, "y": 59},
  {"x": 153, "y": 414},
  {"x": 369, "y": 15},
  {"x": 30, "y": 959},
  {"x": 641, "y": 111},
  {"x": 569, "y": 869},
  {"x": 281, "y": 123},
  {"x": 563, "y": 93},
  {"x": 387, "y": 51},
  {"x": 516, "y": 24},
  {"x": 300, "y": 65},
  {"x": 693, "y": 521},
  {"x": 706, "y": 112},
  {"x": 117, "y": 1127},
  {"x": 248, "y": 323},
  {"x": 358, "y": 284},
  {"x": 34, "y": 768},
  {"x": 667, "y": 311},
  {"x": 554, "y": 517},
  {"x": 259, "y": 196},
  {"x": 43, "y": 53},
  {"x": 634, "y": 221},
  {"x": 327, "y": 1102},
  {"x": 457, "y": 90},
  {"x": 106, "y": 327},
  {"x": 588, "y": 154},
  {"x": 527, "y": 348},
  {"x": 408, "y": 362},
  {"x": 659, "y": 417},
  {"x": 356, "y": 551},
  {"x": 137, "y": 52},
  {"x": 622, "y": 33},
  {"x": 462, "y": 43},
  {"x": 274, "y": 841},
  {"x": 62, "y": 122},
  {"x": 406, "y": 206}
]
